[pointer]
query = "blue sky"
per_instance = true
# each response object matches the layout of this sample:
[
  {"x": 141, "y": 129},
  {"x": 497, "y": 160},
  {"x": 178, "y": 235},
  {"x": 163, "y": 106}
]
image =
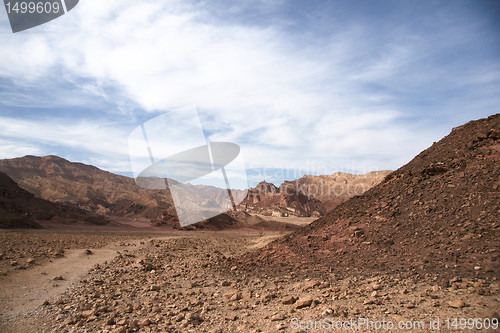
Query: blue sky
[{"x": 304, "y": 87}]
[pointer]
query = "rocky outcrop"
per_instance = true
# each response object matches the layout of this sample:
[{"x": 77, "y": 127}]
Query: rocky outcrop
[
  {"x": 437, "y": 214},
  {"x": 309, "y": 195}
]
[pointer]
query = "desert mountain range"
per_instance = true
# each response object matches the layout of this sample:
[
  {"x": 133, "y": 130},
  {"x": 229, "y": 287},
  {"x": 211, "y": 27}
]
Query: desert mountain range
[
  {"x": 21, "y": 209},
  {"x": 423, "y": 243},
  {"x": 58, "y": 180},
  {"x": 90, "y": 189},
  {"x": 309, "y": 195},
  {"x": 438, "y": 213}
]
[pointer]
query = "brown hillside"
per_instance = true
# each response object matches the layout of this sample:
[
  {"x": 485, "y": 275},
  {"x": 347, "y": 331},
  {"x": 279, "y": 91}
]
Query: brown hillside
[
  {"x": 21, "y": 209},
  {"x": 84, "y": 186},
  {"x": 58, "y": 180},
  {"x": 437, "y": 214}
]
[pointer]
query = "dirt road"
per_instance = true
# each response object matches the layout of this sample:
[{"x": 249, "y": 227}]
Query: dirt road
[
  {"x": 24, "y": 291},
  {"x": 178, "y": 283}
]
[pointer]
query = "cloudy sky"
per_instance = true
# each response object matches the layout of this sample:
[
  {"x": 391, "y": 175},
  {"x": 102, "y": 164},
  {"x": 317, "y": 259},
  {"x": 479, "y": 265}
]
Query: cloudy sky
[{"x": 302, "y": 86}]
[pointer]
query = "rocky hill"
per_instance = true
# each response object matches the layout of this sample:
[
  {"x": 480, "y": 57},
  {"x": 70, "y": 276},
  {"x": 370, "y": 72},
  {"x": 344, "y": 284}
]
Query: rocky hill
[
  {"x": 308, "y": 195},
  {"x": 437, "y": 214},
  {"x": 84, "y": 186},
  {"x": 58, "y": 180},
  {"x": 21, "y": 209}
]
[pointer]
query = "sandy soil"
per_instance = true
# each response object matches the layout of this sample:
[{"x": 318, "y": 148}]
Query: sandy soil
[
  {"x": 178, "y": 282},
  {"x": 39, "y": 266}
]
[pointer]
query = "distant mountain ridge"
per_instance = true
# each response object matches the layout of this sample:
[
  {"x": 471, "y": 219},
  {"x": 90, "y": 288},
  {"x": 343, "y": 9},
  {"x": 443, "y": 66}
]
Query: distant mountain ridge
[
  {"x": 309, "y": 195},
  {"x": 59, "y": 180},
  {"x": 21, "y": 209},
  {"x": 89, "y": 188}
]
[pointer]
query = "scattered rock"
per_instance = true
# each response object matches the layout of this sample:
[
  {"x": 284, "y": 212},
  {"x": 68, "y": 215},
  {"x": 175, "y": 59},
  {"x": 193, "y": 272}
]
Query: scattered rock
[
  {"x": 368, "y": 301},
  {"x": 232, "y": 317},
  {"x": 122, "y": 322},
  {"x": 311, "y": 285},
  {"x": 233, "y": 295},
  {"x": 278, "y": 317},
  {"x": 193, "y": 317},
  {"x": 121, "y": 329},
  {"x": 303, "y": 302},
  {"x": 410, "y": 305},
  {"x": 133, "y": 324},
  {"x": 145, "y": 322},
  {"x": 289, "y": 300},
  {"x": 281, "y": 326},
  {"x": 456, "y": 303}
]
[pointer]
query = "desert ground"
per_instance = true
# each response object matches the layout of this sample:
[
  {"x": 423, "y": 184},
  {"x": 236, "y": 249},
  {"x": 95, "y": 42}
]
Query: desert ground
[{"x": 180, "y": 281}]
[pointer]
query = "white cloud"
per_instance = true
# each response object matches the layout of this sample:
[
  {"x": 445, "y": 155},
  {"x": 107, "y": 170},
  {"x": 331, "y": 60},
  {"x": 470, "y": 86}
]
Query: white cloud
[
  {"x": 285, "y": 102},
  {"x": 101, "y": 143},
  {"x": 13, "y": 149}
]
